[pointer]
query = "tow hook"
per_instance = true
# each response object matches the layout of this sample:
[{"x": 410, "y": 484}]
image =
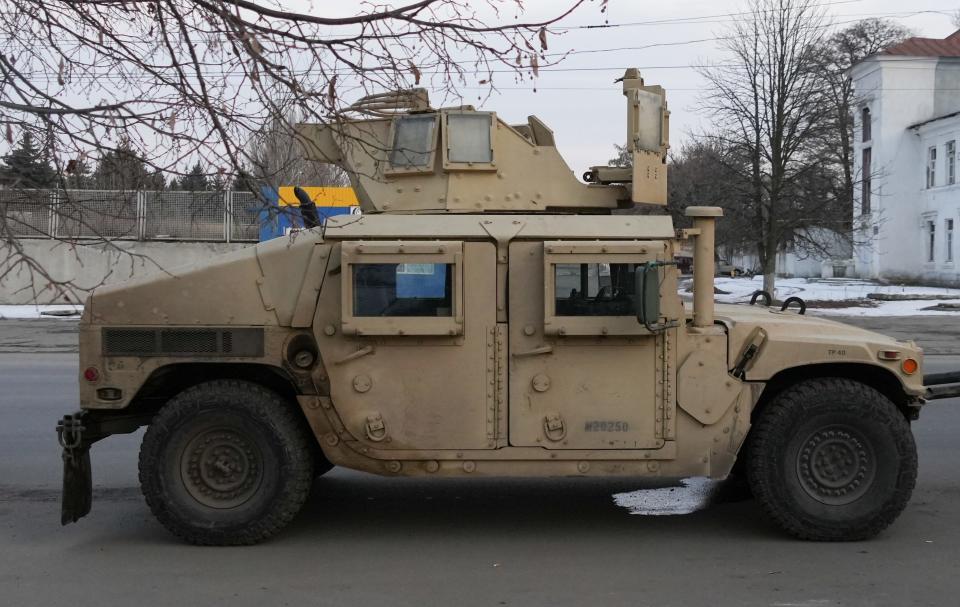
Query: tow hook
[{"x": 70, "y": 432}]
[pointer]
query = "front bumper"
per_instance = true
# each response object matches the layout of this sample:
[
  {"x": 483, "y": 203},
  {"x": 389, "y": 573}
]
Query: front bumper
[{"x": 75, "y": 433}]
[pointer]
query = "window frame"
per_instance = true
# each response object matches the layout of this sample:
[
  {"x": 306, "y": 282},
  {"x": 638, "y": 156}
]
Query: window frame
[
  {"x": 950, "y": 155},
  {"x": 401, "y": 252},
  {"x": 450, "y": 165},
  {"x": 931, "y": 241},
  {"x": 931, "y": 167},
  {"x": 866, "y": 181},
  {"x": 610, "y": 252},
  {"x": 426, "y": 169},
  {"x": 866, "y": 125},
  {"x": 948, "y": 227}
]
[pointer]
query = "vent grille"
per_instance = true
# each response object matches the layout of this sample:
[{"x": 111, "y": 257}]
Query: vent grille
[{"x": 183, "y": 342}]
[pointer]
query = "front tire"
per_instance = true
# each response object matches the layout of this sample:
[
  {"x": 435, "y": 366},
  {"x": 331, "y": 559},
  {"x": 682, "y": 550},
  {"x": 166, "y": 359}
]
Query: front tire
[
  {"x": 832, "y": 459},
  {"x": 226, "y": 463}
]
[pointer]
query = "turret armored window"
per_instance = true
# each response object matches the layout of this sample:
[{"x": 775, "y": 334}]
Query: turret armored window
[
  {"x": 414, "y": 141},
  {"x": 469, "y": 140}
]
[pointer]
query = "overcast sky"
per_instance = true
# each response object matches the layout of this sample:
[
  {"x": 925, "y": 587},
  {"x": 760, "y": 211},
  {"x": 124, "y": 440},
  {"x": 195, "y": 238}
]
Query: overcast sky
[{"x": 586, "y": 109}]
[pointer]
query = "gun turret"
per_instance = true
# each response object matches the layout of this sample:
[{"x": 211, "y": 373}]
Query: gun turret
[{"x": 404, "y": 156}]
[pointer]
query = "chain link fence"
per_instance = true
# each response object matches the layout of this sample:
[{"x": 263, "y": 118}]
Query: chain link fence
[{"x": 126, "y": 215}]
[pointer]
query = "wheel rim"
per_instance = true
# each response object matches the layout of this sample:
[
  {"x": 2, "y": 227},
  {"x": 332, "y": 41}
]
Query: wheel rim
[
  {"x": 221, "y": 467},
  {"x": 836, "y": 465}
]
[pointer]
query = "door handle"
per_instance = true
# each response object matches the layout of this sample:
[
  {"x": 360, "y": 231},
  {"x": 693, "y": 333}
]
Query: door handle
[{"x": 534, "y": 352}]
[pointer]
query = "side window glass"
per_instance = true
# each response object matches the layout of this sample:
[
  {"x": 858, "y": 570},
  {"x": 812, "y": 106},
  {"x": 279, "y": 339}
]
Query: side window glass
[
  {"x": 414, "y": 140},
  {"x": 594, "y": 289},
  {"x": 403, "y": 289}
]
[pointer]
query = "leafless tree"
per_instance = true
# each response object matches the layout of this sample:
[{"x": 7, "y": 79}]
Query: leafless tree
[
  {"x": 768, "y": 100},
  {"x": 843, "y": 50},
  {"x": 177, "y": 82}
]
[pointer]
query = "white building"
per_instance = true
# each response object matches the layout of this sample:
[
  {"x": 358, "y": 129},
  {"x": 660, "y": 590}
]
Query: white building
[{"x": 907, "y": 125}]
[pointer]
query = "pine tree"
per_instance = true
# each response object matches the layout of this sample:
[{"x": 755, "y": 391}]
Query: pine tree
[
  {"x": 27, "y": 165},
  {"x": 123, "y": 169},
  {"x": 195, "y": 180}
]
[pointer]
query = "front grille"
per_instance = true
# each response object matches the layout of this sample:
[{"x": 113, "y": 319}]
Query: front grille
[
  {"x": 192, "y": 341},
  {"x": 148, "y": 341},
  {"x": 129, "y": 341}
]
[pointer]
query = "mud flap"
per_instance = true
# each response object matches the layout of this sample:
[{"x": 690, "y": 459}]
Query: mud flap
[
  {"x": 75, "y": 433},
  {"x": 77, "y": 485},
  {"x": 77, "y": 495}
]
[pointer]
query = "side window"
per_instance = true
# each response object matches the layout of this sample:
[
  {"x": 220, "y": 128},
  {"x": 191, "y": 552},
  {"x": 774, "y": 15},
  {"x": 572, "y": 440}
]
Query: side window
[
  {"x": 589, "y": 286},
  {"x": 402, "y": 288},
  {"x": 594, "y": 289}
]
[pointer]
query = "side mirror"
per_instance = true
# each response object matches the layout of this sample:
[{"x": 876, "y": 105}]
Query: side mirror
[{"x": 647, "y": 296}]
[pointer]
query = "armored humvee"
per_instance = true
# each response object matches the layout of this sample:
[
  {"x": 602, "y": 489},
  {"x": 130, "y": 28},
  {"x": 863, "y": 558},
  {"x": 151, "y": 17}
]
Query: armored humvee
[{"x": 486, "y": 315}]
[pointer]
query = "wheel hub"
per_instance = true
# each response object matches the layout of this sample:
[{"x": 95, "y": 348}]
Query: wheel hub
[
  {"x": 835, "y": 466},
  {"x": 221, "y": 467}
]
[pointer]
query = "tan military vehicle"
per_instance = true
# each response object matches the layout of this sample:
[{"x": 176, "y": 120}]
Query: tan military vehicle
[{"x": 487, "y": 315}]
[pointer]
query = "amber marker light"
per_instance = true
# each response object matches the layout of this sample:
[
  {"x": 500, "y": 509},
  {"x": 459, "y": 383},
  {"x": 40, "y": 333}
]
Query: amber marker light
[
  {"x": 909, "y": 366},
  {"x": 888, "y": 354},
  {"x": 91, "y": 374}
]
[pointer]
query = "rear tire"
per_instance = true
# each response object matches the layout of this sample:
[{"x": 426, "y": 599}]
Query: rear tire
[
  {"x": 832, "y": 460},
  {"x": 226, "y": 463}
]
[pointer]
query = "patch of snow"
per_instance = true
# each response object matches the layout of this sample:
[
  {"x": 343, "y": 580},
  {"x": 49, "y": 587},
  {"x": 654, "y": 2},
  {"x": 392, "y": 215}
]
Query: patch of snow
[
  {"x": 693, "y": 494},
  {"x": 34, "y": 311},
  {"x": 739, "y": 290}
]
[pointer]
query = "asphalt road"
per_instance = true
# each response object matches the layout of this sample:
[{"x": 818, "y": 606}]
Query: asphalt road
[{"x": 364, "y": 540}]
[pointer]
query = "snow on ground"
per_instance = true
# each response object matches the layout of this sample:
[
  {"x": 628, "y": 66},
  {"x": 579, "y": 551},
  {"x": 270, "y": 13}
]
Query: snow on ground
[
  {"x": 694, "y": 494},
  {"x": 838, "y": 290},
  {"x": 35, "y": 311}
]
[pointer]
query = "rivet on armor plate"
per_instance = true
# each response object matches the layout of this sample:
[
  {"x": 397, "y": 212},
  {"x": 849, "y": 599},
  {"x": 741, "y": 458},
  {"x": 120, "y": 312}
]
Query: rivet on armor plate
[
  {"x": 529, "y": 330},
  {"x": 583, "y": 466},
  {"x": 653, "y": 466},
  {"x": 469, "y": 466},
  {"x": 329, "y": 330},
  {"x": 432, "y": 466},
  {"x": 332, "y": 439},
  {"x": 540, "y": 382},
  {"x": 393, "y": 466},
  {"x": 362, "y": 383}
]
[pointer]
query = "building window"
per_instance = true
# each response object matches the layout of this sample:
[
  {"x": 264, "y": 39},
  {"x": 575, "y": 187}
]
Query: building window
[
  {"x": 866, "y": 183},
  {"x": 931, "y": 240},
  {"x": 951, "y": 152},
  {"x": 932, "y": 167},
  {"x": 949, "y": 240},
  {"x": 865, "y": 124}
]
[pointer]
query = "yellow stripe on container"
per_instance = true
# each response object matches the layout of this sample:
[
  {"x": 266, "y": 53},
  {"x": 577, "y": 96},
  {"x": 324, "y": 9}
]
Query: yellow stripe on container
[{"x": 322, "y": 196}]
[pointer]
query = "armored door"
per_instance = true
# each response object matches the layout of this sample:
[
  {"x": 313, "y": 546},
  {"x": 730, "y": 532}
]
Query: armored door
[
  {"x": 584, "y": 374},
  {"x": 411, "y": 368}
]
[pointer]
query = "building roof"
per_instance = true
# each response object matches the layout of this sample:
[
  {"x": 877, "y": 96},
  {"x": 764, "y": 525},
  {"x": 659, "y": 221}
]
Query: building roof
[
  {"x": 925, "y": 122},
  {"x": 926, "y": 47}
]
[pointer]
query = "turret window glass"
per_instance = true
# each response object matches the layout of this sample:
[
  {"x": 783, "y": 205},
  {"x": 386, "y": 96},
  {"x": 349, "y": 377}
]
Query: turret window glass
[
  {"x": 413, "y": 141},
  {"x": 469, "y": 137}
]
